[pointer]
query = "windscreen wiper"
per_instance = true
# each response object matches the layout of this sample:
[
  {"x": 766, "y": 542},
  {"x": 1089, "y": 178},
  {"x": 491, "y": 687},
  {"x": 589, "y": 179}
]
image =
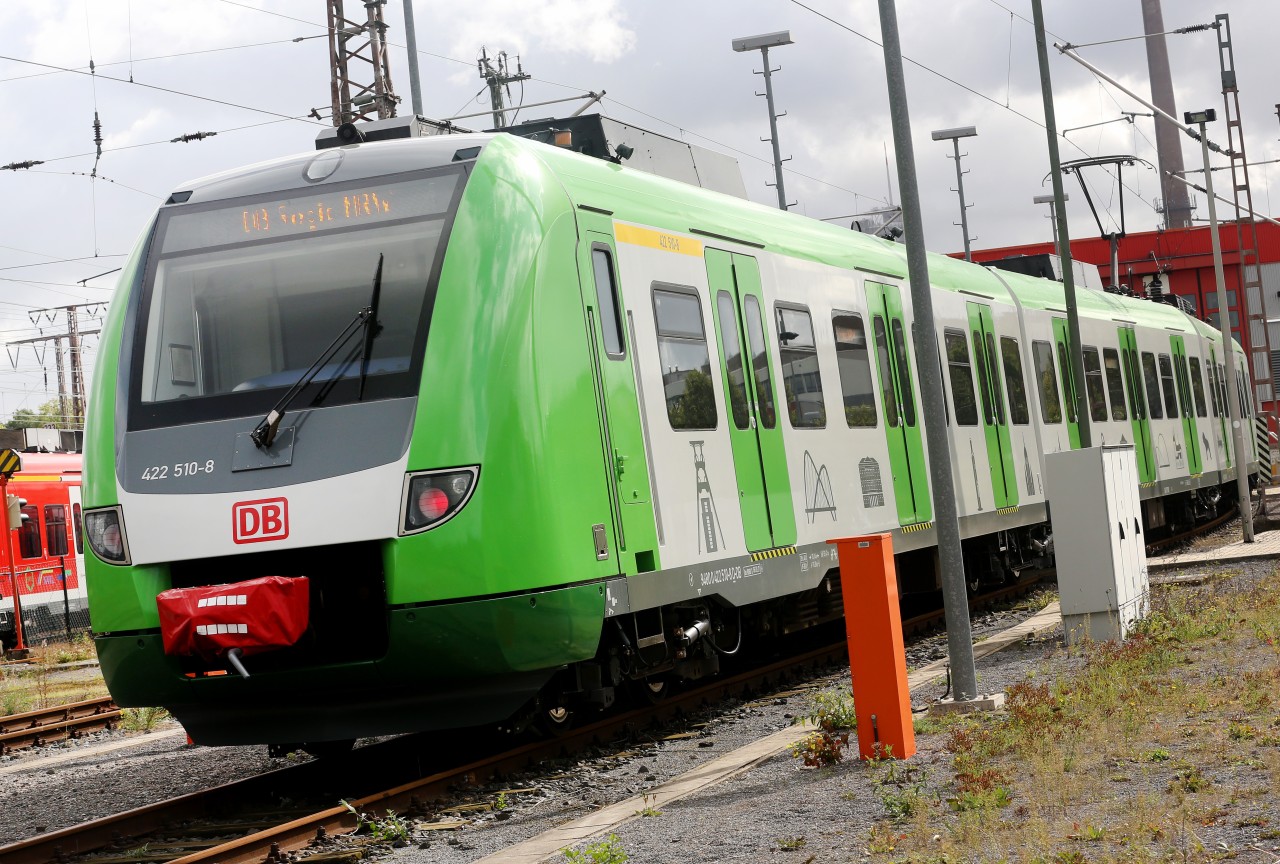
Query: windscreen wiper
[
  {"x": 264, "y": 434},
  {"x": 371, "y": 327}
]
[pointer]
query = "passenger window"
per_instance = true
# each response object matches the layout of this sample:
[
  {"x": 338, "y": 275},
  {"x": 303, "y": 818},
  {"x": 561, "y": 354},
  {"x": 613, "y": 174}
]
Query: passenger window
[
  {"x": 29, "y": 533},
  {"x": 607, "y": 296},
  {"x": 854, "y": 362},
  {"x": 800, "y": 376},
  {"x": 901, "y": 354},
  {"x": 962, "y": 395},
  {"x": 55, "y": 529},
  {"x": 686, "y": 365},
  {"x": 733, "y": 361},
  {"x": 1213, "y": 390},
  {"x": 1170, "y": 391},
  {"x": 1115, "y": 384},
  {"x": 1014, "y": 382},
  {"x": 981, "y": 362},
  {"x": 1152, "y": 380},
  {"x": 1047, "y": 379},
  {"x": 1069, "y": 396},
  {"x": 760, "y": 362},
  {"x": 887, "y": 393},
  {"x": 78, "y": 524},
  {"x": 997, "y": 394},
  {"x": 1184, "y": 385},
  {"x": 1197, "y": 386},
  {"x": 1093, "y": 385}
]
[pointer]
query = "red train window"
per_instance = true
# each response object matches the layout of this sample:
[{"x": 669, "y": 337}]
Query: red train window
[
  {"x": 55, "y": 529},
  {"x": 78, "y": 523},
  {"x": 29, "y": 533}
]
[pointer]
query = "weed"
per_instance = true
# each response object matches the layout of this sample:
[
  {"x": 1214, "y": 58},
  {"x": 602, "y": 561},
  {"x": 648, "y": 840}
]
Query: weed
[
  {"x": 606, "y": 851},
  {"x": 832, "y": 709},
  {"x": 13, "y": 701},
  {"x": 882, "y": 839},
  {"x": 141, "y": 719},
  {"x": 648, "y": 808},
  {"x": 819, "y": 749},
  {"x": 1073, "y": 856},
  {"x": 1189, "y": 779},
  {"x": 1157, "y": 755},
  {"x": 501, "y": 803},
  {"x": 389, "y": 829},
  {"x": 790, "y": 844},
  {"x": 1241, "y": 732}
]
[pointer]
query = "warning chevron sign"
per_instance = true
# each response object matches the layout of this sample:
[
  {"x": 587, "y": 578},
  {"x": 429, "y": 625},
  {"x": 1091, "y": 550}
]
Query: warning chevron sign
[{"x": 10, "y": 461}]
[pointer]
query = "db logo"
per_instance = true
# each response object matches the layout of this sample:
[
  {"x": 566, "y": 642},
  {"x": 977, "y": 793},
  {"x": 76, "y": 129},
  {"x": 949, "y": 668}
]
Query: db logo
[{"x": 259, "y": 521}]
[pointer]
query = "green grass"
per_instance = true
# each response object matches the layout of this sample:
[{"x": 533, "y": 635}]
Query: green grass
[{"x": 1148, "y": 739}]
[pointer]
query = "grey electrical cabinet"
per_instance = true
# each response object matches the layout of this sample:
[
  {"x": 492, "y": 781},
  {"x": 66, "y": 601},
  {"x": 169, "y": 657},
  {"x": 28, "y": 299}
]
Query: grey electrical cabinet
[{"x": 1098, "y": 541}]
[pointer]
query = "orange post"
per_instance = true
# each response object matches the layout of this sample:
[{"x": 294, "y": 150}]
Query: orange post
[{"x": 877, "y": 660}]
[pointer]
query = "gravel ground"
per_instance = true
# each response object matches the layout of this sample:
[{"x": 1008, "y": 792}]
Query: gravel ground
[
  {"x": 42, "y": 791},
  {"x": 748, "y": 815},
  {"x": 778, "y": 808}
]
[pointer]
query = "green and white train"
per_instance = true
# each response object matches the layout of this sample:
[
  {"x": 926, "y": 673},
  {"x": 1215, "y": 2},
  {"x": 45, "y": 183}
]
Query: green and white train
[{"x": 585, "y": 428}]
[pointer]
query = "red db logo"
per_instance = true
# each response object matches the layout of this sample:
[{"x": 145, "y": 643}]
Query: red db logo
[{"x": 259, "y": 521}]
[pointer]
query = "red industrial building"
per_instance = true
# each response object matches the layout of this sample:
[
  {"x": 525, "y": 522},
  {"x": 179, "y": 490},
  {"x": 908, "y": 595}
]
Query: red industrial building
[{"x": 1183, "y": 259}]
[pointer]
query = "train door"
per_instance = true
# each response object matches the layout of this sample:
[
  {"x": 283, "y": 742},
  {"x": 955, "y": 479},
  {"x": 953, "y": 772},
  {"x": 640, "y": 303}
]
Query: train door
[
  {"x": 1062, "y": 339},
  {"x": 1224, "y": 411},
  {"x": 1190, "y": 431},
  {"x": 759, "y": 459},
  {"x": 1143, "y": 450},
  {"x": 901, "y": 419},
  {"x": 77, "y": 535},
  {"x": 634, "y": 532},
  {"x": 995, "y": 423}
]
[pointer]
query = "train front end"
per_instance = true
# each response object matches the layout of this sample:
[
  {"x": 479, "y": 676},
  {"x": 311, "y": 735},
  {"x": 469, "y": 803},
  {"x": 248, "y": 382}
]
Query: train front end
[{"x": 289, "y": 465}]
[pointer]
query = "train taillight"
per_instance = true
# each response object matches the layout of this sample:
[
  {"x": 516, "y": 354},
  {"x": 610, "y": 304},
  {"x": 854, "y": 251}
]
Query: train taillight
[
  {"x": 104, "y": 529},
  {"x": 434, "y": 497}
]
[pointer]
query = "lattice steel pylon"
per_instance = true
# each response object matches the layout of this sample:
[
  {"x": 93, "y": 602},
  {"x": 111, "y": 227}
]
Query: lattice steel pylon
[
  {"x": 359, "y": 43},
  {"x": 1257, "y": 343}
]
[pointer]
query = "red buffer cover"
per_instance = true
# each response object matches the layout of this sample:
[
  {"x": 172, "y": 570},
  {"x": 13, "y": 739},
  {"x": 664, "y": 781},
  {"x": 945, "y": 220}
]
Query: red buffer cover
[{"x": 255, "y": 616}]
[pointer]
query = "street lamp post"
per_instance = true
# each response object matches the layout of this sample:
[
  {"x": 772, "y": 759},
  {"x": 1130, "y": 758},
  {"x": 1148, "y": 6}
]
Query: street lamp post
[
  {"x": 1234, "y": 408},
  {"x": 1049, "y": 199},
  {"x": 954, "y": 135},
  {"x": 763, "y": 43}
]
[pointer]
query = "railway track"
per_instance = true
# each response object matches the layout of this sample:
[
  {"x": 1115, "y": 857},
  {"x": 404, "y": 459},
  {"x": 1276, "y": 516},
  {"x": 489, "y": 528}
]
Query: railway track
[
  {"x": 243, "y": 823},
  {"x": 50, "y": 725}
]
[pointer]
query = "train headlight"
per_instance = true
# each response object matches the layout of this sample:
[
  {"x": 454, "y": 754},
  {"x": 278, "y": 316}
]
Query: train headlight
[
  {"x": 432, "y": 498},
  {"x": 104, "y": 529}
]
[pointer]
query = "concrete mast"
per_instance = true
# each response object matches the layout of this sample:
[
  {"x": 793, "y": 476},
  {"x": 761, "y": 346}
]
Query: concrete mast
[{"x": 1177, "y": 206}]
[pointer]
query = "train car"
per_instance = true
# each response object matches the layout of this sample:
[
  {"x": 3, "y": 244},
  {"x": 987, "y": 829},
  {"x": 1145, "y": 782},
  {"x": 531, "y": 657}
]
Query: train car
[
  {"x": 44, "y": 556},
  {"x": 535, "y": 429}
]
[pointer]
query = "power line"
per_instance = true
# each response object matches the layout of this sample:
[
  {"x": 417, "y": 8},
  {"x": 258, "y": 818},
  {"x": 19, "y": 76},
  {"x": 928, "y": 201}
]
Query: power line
[{"x": 162, "y": 89}]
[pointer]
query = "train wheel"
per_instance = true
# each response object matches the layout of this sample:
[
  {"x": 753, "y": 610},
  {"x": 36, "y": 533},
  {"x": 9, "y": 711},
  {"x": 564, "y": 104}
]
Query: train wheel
[
  {"x": 553, "y": 718},
  {"x": 653, "y": 690}
]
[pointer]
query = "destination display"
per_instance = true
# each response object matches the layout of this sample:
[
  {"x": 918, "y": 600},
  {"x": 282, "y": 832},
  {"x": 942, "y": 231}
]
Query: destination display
[{"x": 314, "y": 211}]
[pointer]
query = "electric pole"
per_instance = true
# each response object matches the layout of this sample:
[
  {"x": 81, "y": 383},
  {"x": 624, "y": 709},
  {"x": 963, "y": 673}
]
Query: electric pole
[
  {"x": 497, "y": 76},
  {"x": 70, "y": 405},
  {"x": 353, "y": 43}
]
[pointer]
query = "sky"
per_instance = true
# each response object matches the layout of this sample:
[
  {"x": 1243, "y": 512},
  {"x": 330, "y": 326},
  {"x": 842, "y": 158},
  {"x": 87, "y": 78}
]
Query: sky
[{"x": 253, "y": 70}]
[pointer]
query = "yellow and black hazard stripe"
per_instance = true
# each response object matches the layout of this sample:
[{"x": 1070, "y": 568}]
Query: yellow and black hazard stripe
[
  {"x": 1148, "y": 485},
  {"x": 10, "y": 461},
  {"x": 778, "y": 552},
  {"x": 1005, "y": 511},
  {"x": 919, "y": 526}
]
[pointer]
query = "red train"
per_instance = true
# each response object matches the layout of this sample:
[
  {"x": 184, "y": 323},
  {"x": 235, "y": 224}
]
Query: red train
[{"x": 44, "y": 556}]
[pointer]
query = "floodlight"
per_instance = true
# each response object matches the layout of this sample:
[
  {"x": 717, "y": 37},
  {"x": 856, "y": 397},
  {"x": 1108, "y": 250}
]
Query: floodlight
[
  {"x": 765, "y": 40},
  {"x": 958, "y": 132},
  {"x": 1192, "y": 118}
]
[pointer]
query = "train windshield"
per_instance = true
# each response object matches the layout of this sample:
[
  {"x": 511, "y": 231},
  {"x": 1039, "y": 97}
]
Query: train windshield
[{"x": 243, "y": 298}]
